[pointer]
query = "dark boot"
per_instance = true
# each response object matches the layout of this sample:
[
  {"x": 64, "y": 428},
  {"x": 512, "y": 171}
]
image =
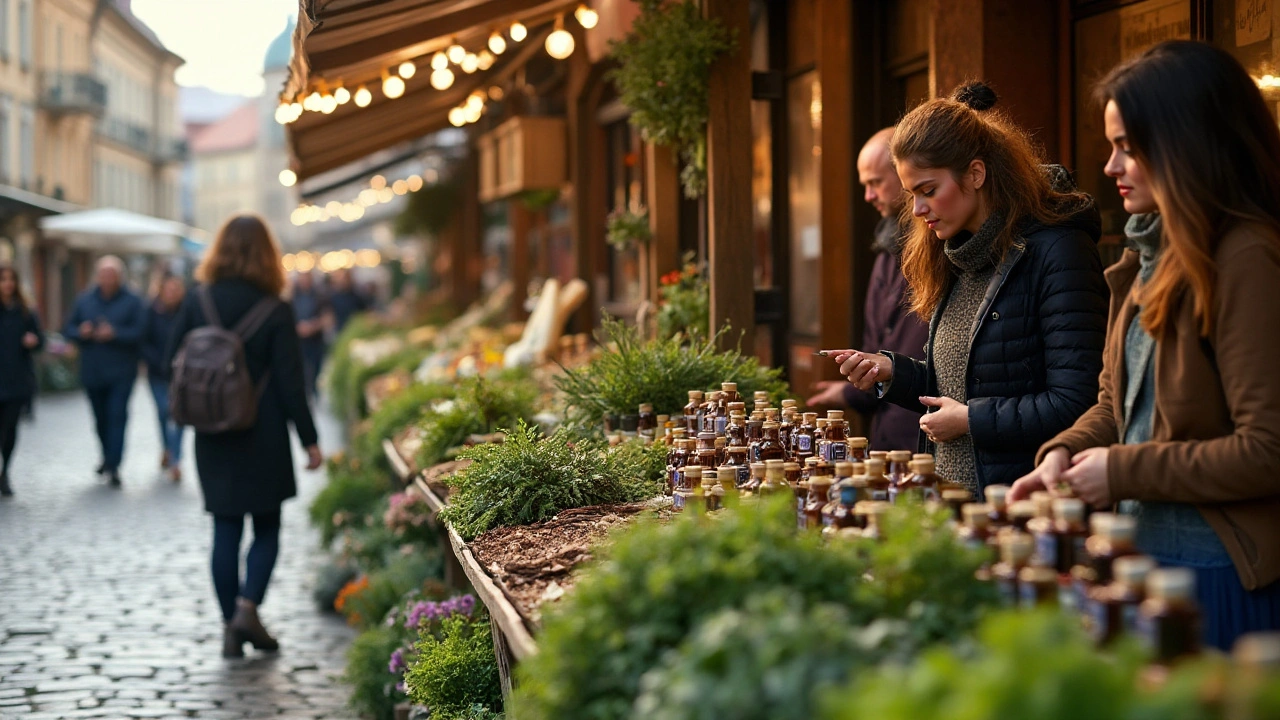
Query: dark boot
[
  {"x": 113, "y": 478},
  {"x": 232, "y": 643},
  {"x": 249, "y": 626},
  {"x": 5, "y": 490}
]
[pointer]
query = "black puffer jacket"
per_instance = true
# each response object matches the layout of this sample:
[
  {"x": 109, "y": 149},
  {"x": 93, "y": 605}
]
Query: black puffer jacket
[{"x": 1035, "y": 349}]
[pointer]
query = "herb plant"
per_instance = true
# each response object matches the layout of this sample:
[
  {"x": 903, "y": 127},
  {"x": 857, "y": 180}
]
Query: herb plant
[
  {"x": 661, "y": 372},
  {"x": 456, "y": 672},
  {"x": 398, "y": 412},
  {"x": 342, "y": 367},
  {"x": 353, "y": 492},
  {"x": 483, "y": 405},
  {"x": 664, "y": 66},
  {"x": 625, "y": 229},
  {"x": 373, "y": 691},
  {"x": 528, "y": 478}
]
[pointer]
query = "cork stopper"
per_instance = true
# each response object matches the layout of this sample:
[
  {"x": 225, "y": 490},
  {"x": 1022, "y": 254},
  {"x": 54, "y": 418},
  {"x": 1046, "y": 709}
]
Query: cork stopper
[
  {"x": 678, "y": 434},
  {"x": 810, "y": 418},
  {"x": 646, "y": 408},
  {"x": 1069, "y": 510},
  {"x": 739, "y": 450},
  {"x": 821, "y": 481},
  {"x": 770, "y": 425},
  {"x": 822, "y": 468},
  {"x": 809, "y": 462},
  {"x": 875, "y": 467},
  {"x": 738, "y": 407},
  {"x": 844, "y": 469},
  {"x": 1022, "y": 510},
  {"x": 789, "y": 403},
  {"x": 729, "y": 387},
  {"x": 859, "y": 481},
  {"x": 692, "y": 471},
  {"x": 1171, "y": 583},
  {"x": 858, "y": 443},
  {"x": 791, "y": 467},
  {"x": 956, "y": 495},
  {"x": 876, "y": 510},
  {"x": 1132, "y": 570},
  {"x": 772, "y": 463},
  {"x": 707, "y": 437},
  {"x": 922, "y": 456},
  {"x": 757, "y": 416},
  {"x": 900, "y": 456},
  {"x": 1122, "y": 528},
  {"x": 727, "y": 473},
  {"x": 695, "y": 395},
  {"x": 757, "y": 470},
  {"x": 663, "y": 420},
  {"x": 879, "y": 454},
  {"x": 1016, "y": 548},
  {"x": 835, "y": 415},
  {"x": 1258, "y": 650},
  {"x": 762, "y": 395},
  {"x": 922, "y": 467},
  {"x": 722, "y": 442},
  {"x": 709, "y": 480},
  {"x": 771, "y": 414},
  {"x": 1038, "y": 575},
  {"x": 976, "y": 515},
  {"x": 775, "y": 471},
  {"x": 822, "y": 423},
  {"x": 1044, "y": 503},
  {"x": 997, "y": 496},
  {"x": 1099, "y": 522}
]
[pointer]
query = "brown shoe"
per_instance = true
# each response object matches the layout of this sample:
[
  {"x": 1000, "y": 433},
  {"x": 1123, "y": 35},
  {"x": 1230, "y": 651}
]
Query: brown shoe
[
  {"x": 232, "y": 643},
  {"x": 249, "y": 627},
  {"x": 175, "y": 473},
  {"x": 165, "y": 460}
]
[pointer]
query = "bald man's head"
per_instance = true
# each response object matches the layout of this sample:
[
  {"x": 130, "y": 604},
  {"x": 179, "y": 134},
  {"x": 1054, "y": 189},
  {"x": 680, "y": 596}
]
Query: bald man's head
[{"x": 878, "y": 177}]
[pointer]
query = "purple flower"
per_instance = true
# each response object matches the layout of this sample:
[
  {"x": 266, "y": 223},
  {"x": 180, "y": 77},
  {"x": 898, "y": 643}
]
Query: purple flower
[
  {"x": 397, "y": 664},
  {"x": 467, "y": 603},
  {"x": 402, "y": 688},
  {"x": 393, "y": 616}
]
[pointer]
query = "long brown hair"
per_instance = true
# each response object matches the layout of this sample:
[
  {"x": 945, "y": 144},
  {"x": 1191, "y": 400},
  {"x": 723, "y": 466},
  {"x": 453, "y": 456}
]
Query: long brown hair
[
  {"x": 18, "y": 297},
  {"x": 1198, "y": 125},
  {"x": 951, "y": 133},
  {"x": 244, "y": 250}
]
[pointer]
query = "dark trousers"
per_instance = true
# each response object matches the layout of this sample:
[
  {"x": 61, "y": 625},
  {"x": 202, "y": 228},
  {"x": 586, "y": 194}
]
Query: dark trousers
[
  {"x": 10, "y": 412},
  {"x": 227, "y": 532},
  {"x": 111, "y": 414},
  {"x": 312, "y": 359}
]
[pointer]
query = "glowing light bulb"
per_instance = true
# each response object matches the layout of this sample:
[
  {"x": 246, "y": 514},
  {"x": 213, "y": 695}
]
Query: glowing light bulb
[
  {"x": 476, "y": 100},
  {"x": 400, "y": 187},
  {"x": 485, "y": 60},
  {"x": 497, "y": 43},
  {"x": 295, "y": 111},
  {"x": 456, "y": 53},
  {"x": 457, "y": 117},
  {"x": 363, "y": 97},
  {"x": 442, "y": 79},
  {"x": 473, "y": 113},
  {"x": 342, "y": 95},
  {"x": 439, "y": 61},
  {"x": 518, "y": 31},
  {"x": 560, "y": 43},
  {"x": 377, "y": 182},
  {"x": 288, "y": 178},
  {"x": 415, "y": 183},
  {"x": 496, "y": 93},
  {"x": 392, "y": 86},
  {"x": 328, "y": 104},
  {"x": 283, "y": 114},
  {"x": 312, "y": 102},
  {"x": 407, "y": 69},
  {"x": 470, "y": 63},
  {"x": 333, "y": 207},
  {"x": 587, "y": 17}
]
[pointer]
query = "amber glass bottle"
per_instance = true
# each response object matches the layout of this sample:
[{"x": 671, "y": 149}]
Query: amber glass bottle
[
  {"x": 804, "y": 438},
  {"x": 955, "y": 500},
  {"x": 899, "y": 465},
  {"x": 647, "y": 423},
  {"x": 878, "y": 483},
  {"x": 1112, "y": 610},
  {"x": 858, "y": 448},
  {"x": 775, "y": 479},
  {"x": 794, "y": 473},
  {"x": 1015, "y": 554},
  {"x": 1112, "y": 541},
  {"x": 997, "y": 497},
  {"x": 1020, "y": 513},
  {"x": 755, "y": 433},
  {"x": 976, "y": 531},
  {"x": 677, "y": 458},
  {"x": 737, "y": 460},
  {"x": 736, "y": 431},
  {"x": 835, "y": 446},
  {"x": 693, "y": 413},
  {"x": 1071, "y": 532},
  {"x": 1168, "y": 620},
  {"x": 786, "y": 431},
  {"x": 1037, "y": 585},
  {"x": 818, "y": 489},
  {"x": 771, "y": 446},
  {"x": 921, "y": 482}
]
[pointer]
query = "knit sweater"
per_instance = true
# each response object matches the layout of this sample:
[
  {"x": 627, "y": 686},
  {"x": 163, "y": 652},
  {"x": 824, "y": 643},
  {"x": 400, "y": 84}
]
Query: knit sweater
[{"x": 974, "y": 259}]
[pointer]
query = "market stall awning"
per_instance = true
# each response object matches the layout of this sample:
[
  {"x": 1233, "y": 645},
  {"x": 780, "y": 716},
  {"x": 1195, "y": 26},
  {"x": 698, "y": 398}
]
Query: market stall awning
[
  {"x": 353, "y": 42},
  {"x": 16, "y": 200},
  {"x": 116, "y": 230}
]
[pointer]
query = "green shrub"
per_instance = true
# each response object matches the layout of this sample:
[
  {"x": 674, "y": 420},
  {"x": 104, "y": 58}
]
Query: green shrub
[
  {"x": 634, "y": 459},
  {"x": 405, "y": 359},
  {"x": 330, "y": 579},
  {"x": 389, "y": 586},
  {"x": 456, "y": 673},
  {"x": 396, "y": 413},
  {"x": 661, "y": 372},
  {"x": 482, "y": 406},
  {"x": 653, "y": 584},
  {"x": 528, "y": 478},
  {"x": 342, "y": 366},
  {"x": 353, "y": 492},
  {"x": 373, "y": 693}
]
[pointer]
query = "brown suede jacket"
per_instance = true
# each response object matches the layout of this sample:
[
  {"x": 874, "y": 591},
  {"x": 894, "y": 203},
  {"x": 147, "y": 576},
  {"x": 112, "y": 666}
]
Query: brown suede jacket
[{"x": 1215, "y": 436}]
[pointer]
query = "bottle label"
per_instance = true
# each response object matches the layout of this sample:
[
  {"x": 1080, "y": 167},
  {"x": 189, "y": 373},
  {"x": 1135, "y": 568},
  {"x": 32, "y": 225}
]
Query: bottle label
[
  {"x": 1144, "y": 628},
  {"x": 1096, "y": 612},
  {"x": 721, "y": 423},
  {"x": 837, "y": 452},
  {"x": 744, "y": 475},
  {"x": 804, "y": 443},
  {"x": 1047, "y": 549}
]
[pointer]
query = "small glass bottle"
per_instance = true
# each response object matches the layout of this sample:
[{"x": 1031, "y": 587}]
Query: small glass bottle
[
  {"x": 899, "y": 466},
  {"x": 786, "y": 429},
  {"x": 1071, "y": 531},
  {"x": 775, "y": 479},
  {"x": 706, "y": 453},
  {"x": 876, "y": 513},
  {"x": 711, "y": 500},
  {"x": 1020, "y": 513},
  {"x": 817, "y": 500},
  {"x": 1112, "y": 610},
  {"x": 722, "y": 451},
  {"x": 976, "y": 531},
  {"x": 771, "y": 446},
  {"x": 794, "y": 473},
  {"x": 677, "y": 458},
  {"x": 647, "y": 423},
  {"x": 757, "y": 479},
  {"x": 678, "y": 434},
  {"x": 1015, "y": 554},
  {"x": 804, "y": 438},
  {"x": 736, "y": 431},
  {"x": 755, "y": 434},
  {"x": 921, "y": 483},
  {"x": 820, "y": 435},
  {"x": 1168, "y": 620},
  {"x": 728, "y": 394},
  {"x": 858, "y": 448},
  {"x": 998, "y": 498},
  {"x": 693, "y": 413},
  {"x": 630, "y": 427},
  {"x": 682, "y": 498},
  {"x": 1044, "y": 504},
  {"x": 1037, "y": 586},
  {"x": 843, "y": 516},
  {"x": 843, "y": 476},
  {"x": 955, "y": 499},
  {"x": 878, "y": 483},
  {"x": 737, "y": 460},
  {"x": 665, "y": 428},
  {"x": 1112, "y": 540},
  {"x": 709, "y": 412},
  {"x": 727, "y": 482},
  {"x": 835, "y": 442},
  {"x": 690, "y": 476}
]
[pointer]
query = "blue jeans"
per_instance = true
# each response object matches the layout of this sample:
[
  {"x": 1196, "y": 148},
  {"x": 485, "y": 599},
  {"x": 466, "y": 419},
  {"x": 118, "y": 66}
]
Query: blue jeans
[
  {"x": 110, "y": 415},
  {"x": 170, "y": 432},
  {"x": 227, "y": 532}
]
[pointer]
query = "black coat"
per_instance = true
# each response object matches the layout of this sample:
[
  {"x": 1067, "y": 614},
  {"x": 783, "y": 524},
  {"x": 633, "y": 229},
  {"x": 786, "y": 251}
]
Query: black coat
[
  {"x": 17, "y": 368},
  {"x": 155, "y": 340},
  {"x": 1035, "y": 350},
  {"x": 251, "y": 471}
]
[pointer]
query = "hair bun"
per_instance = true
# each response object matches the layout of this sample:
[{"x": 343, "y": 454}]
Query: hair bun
[{"x": 977, "y": 95}]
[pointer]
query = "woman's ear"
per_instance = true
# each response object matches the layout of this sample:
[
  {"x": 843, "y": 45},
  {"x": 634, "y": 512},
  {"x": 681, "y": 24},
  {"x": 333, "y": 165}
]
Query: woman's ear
[{"x": 976, "y": 174}]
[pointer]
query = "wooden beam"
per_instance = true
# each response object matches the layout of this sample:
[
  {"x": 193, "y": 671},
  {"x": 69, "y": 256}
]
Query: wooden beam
[
  {"x": 520, "y": 220},
  {"x": 662, "y": 188},
  {"x": 730, "y": 254},
  {"x": 586, "y": 146}
]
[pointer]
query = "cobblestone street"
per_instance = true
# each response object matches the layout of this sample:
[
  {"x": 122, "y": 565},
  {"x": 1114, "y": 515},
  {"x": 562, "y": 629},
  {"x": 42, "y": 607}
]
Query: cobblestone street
[{"x": 106, "y": 604}]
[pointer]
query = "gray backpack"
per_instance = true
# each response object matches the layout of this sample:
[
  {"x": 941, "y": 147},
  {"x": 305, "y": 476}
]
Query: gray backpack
[{"x": 210, "y": 389}]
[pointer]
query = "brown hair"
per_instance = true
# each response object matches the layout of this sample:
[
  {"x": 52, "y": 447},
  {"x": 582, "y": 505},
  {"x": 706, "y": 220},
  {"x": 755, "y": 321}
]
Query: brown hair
[
  {"x": 1197, "y": 123},
  {"x": 17, "y": 286},
  {"x": 244, "y": 250},
  {"x": 951, "y": 133}
]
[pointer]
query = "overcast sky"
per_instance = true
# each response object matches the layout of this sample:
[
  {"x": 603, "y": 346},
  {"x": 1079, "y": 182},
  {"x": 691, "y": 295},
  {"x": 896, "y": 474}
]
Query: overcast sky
[{"x": 223, "y": 41}]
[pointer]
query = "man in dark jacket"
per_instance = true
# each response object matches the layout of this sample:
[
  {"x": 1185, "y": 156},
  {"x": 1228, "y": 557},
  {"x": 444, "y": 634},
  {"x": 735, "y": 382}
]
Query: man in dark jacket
[
  {"x": 344, "y": 301},
  {"x": 155, "y": 342},
  {"x": 888, "y": 323},
  {"x": 313, "y": 314},
  {"x": 107, "y": 323}
]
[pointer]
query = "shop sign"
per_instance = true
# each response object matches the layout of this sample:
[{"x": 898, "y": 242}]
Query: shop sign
[
  {"x": 1149, "y": 23},
  {"x": 1253, "y": 21}
]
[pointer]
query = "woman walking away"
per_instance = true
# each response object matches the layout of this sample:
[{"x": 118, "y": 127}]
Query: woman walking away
[
  {"x": 20, "y": 336},
  {"x": 1186, "y": 430},
  {"x": 155, "y": 341},
  {"x": 248, "y": 472},
  {"x": 1002, "y": 256}
]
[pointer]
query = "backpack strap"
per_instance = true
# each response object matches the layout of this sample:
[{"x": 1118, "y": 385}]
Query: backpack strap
[
  {"x": 206, "y": 304},
  {"x": 254, "y": 319}
]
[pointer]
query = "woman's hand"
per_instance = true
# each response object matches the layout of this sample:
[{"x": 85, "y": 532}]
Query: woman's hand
[
  {"x": 30, "y": 340},
  {"x": 863, "y": 369},
  {"x": 314, "y": 458},
  {"x": 1088, "y": 476},
  {"x": 1045, "y": 477},
  {"x": 951, "y": 421}
]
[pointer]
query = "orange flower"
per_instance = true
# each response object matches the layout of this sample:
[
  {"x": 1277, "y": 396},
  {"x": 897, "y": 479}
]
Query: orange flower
[{"x": 351, "y": 589}]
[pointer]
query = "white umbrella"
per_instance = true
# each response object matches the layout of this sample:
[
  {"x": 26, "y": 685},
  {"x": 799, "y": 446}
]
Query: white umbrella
[{"x": 116, "y": 230}]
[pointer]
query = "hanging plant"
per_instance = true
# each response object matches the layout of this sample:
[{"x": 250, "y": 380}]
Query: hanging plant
[
  {"x": 663, "y": 68},
  {"x": 625, "y": 229}
]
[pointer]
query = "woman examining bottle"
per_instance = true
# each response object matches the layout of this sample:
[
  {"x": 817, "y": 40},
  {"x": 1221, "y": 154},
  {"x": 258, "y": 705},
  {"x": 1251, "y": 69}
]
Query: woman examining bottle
[
  {"x": 1002, "y": 257},
  {"x": 1186, "y": 430}
]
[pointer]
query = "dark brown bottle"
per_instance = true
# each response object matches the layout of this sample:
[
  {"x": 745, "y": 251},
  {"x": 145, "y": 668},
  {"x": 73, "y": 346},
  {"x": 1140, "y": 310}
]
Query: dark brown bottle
[
  {"x": 693, "y": 413},
  {"x": 737, "y": 460},
  {"x": 771, "y": 446},
  {"x": 709, "y": 497},
  {"x": 976, "y": 531},
  {"x": 899, "y": 466},
  {"x": 794, "y": 473},
  {"x": 1015, "y": 554},
  {"x": 1020, "y": 513},
  {"x": 1111, "y": 610},
  {"x": 804, "y": 438},
  {"x": 1113, "y": 541},
  {"x": 878, "y": 483},
  {"x": 921, "y": 483},
  {"x": 1168, "y": 620},
  {"x": 647, "y": 424},
  {"x": 706, "y": 453},
  {"x": 818, "y": 489},
  {"x": 722, "y": 451},
  {"x": 728, "y": 394},
  {"x": 736, "y": 432},
  {"x": 997, "y": 497},
  {"x": 835, "y": 446},
  {"x": 955, "y": 500},
  {"x": 755, "y": 434},
  {"x": 859, "y": 449},
  {"x": 1071, "y": 532},
  {"x": 1037, "y": 586},
  {"x": 676, "y": 459},
  {"x": 786, "y": 431},
  {"x": 709, "y": 412}
]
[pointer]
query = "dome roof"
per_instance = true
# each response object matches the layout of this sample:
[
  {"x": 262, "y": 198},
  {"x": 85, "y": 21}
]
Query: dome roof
[{"x": 281, "y": 50}]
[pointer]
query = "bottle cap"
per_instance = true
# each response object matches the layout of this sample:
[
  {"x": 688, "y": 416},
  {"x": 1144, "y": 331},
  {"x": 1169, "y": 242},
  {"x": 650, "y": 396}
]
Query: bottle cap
[
  {"x": 877, "y": 509},
  {"x": 1016, "y": 548},
  {"x": 1171, "y": 583},
  {"x": 858, "y": 481},
  {"x": 722, "y": 442},
  {"x": 663, "y": 419},
  {"x": 844, "y": 469},
  {"x": 727, "y": 472},
  {"x": 757, "y": 415},
  {"x": 821, "y": 480},
  {"x": 809, "y": 462},
  {"x": 646, "y": 407},
  {"x": 775, "y": 471},
  {"x": 875, "y": 467},
  {"x": 1023, "y": 510},
  {"x": 709, "y": 479},
  {"x": 881, "y": 454},
  {"x": 789, "y": 403},
  {"x": 860, "y": 443},
  {"x": 835, "y": 414},
  {"x": 1038, "y": 575},
  {"x": 729, "y": 387},
  {"x": 1099, "y": 522},
  {"x": 956, "y": 495},
  {"x": 771, "y": 463},
  {"x": 810, "y": 418},
  {"x": 757, "y": 470},
  {"x": 761, "y": 395},
  {"x": 976, "y": 515},
  {"x": 1132, "y": 570},
  {"x": 692, "y": 470},
  {"x": 739, "y": 406},
  {"x": 707, "y": 437},
  {"x": 922, "y": 467},
  {"x": 739, "y": 450},
  {"x": 1258, "y": 650},
  {"x": 1044, "y": 503},
  {"x": 771, "y": 426},
  {"x": 922, "y": 456},
  {"x": 822, "y": 468},
  {"x": 792, "y": 467},
  {"x": 900, "y": 456},
  {"x": 1069, "y": 509},
  {"x": 996, "y": 496},
  {"x": 822, "y": 423},
  {"x": 695, "y": 394},
  {"x": 1121, "y": 528}
]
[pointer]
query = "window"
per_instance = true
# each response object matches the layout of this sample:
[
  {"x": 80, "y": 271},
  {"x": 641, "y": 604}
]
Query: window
[
  {"x": 6, "y": 148},
  {"x": 4, "y": 30},
  {"x": 27, "y": 146},
  {"x": 24, "y": 33}
]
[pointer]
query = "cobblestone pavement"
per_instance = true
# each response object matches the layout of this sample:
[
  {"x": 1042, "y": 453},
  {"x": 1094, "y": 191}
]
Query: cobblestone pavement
[{"x": 106, "y": 605}]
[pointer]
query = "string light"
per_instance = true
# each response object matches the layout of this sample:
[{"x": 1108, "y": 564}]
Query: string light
[
  {"x": 456, "y": 53},
  {"x": 342, "y": 95},
  {"x": 407, "y": 69},
  {"x": 415, "y": 183},
  {"x": 587, "y": 17},
  {"x": 328, "y": 104},
  {"x": 497, "y": 43},
  {"x": 518, "y": 31},
  {"x": 470, "y": 63},
  {"x": 560, "y": 42},
  {"x": 400, "y": 187},
  {"x": 363, "y": 97},
  {"x": 457, "y": 117},
  {"x": 312, "y": 102},
  {"x": 379, "y": 191},
  {"x": 496, "y": 93},
  {"x": 377, "y": 182},
  {"x": 485, "y": 60},
  {"x": 288, "y": 178},
  {"x": 442, "y": 79},
  {"x": 439, "y": 61},
  {"x": 392, "y": 86}
]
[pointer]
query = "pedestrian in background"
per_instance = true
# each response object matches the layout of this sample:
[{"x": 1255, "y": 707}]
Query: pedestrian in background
[
  {"x": 155, "y": 342},
  {"x": 249, "y": 472},
  {"x": 888, "y": 323},
  {"x": 20, "y": 338},
  {"x": 314, "y": 317},
  {"x": 344, "y": 301},
  {"x": 107, "y": 323},
  {"x": 1185, "y": 433}
]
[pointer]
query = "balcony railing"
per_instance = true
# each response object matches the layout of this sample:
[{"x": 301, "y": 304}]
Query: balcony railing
[
  {"x": 169, "y": 150},
  {"x": 73, "y": 93},
  {"x": 126, "y": 133}
]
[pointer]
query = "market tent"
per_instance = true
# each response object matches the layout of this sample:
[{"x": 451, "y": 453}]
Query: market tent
[
  {"x": 116, "y": 230},
  {"x": 352, "y": 42},
  {"x": 17, "y": 200}
]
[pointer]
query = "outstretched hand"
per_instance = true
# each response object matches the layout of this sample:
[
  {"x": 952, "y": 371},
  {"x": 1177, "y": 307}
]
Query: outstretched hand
[{"x": 863, "y": 369}]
